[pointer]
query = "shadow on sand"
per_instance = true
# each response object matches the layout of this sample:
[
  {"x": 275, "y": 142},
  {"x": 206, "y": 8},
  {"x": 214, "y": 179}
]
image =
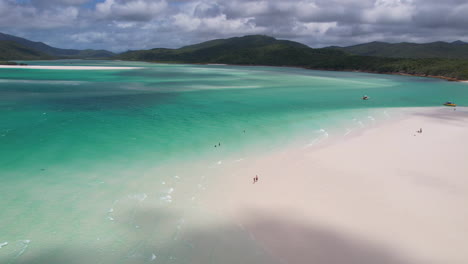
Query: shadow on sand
[{"x": 262, "y": 238}]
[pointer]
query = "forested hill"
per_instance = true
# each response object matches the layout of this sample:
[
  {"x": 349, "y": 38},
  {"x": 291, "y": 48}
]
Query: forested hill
[
  {"x": 453, "y": 50},
  {"x": 247, "y": 50},
  {"x": 50, "y": 51},
  {"x": 10, "y": 50},
  {"x": 264, "y": 50}
]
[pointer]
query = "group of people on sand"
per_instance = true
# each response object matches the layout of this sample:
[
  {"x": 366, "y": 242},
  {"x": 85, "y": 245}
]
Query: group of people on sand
[{"x": 419, "y": 131}]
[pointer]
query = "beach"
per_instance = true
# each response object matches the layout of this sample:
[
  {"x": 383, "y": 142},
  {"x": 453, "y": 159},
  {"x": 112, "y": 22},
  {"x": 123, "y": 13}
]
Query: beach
[
  {"x": 156, "y": 165},
  {"x": 386, "y": 194}
]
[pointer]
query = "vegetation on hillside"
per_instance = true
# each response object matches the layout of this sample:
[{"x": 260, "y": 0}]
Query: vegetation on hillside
[
  {"x": 439, "y": 49},
  {"x": 263, "y": 50},
  {"x": 10, "y": 50}
]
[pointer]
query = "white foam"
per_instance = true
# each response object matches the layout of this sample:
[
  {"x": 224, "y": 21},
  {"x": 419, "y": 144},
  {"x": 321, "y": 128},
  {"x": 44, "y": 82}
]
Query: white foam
[
  {"x": 153, "y": 257},
  {"x": 3, "y": 244},
  {"x": 348, "y": 131},
  {"x": 219, "y": 162},
  {"x": 171, "y": 190},
  {"x": 166, "y": 198},
  {"x": 111, "y": 210},
  {"x": 25, "y": 244},
  {"x": 140, "y": 196},
  {"x": 313, "y": 142}
]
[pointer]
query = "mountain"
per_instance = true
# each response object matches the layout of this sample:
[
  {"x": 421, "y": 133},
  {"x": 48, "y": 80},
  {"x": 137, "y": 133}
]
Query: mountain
[
  {"x": 458, "y": 42},
  {"x": 10, "y": 50},
  {"x": 247, "y": 50},
  {"x": 455, "y": 50},
  {"x": 57, "y": 52}
]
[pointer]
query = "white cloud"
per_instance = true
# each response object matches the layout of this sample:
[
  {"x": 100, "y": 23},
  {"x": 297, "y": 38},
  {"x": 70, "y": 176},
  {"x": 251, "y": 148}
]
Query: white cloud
[
  {"x": 133, "y": 24},
  {"x": 133, "y": 10}
]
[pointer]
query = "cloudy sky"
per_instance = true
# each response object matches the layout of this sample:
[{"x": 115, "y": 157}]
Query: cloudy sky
[{"x": 120, "y": 25}]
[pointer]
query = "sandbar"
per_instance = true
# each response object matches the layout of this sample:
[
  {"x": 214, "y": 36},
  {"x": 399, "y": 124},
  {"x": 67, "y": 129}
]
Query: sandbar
[{"x": 387, "y": 194}]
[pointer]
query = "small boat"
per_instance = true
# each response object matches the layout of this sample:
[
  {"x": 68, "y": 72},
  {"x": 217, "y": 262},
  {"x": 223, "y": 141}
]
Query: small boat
[
  {"x": 449, "y": 104},
  {"x": 365, "y": 97}
]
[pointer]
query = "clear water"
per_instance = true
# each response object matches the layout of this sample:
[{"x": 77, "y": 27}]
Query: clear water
[{"x": 96, "y": 166}]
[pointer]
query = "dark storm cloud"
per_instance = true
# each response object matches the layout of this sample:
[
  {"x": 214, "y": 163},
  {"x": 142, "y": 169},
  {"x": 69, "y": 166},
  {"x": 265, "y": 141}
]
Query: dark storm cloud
[{"x": 134, "y": 24}]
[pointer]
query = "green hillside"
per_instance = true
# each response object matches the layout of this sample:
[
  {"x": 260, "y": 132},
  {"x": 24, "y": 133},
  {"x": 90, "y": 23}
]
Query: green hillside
[
  {"x": 454, "y": 50},
  {"x": 264, "y": 50},
  {"x": 10, "y": 50},
  {"x": 247, "y": 50},
  {"x": 57, "y": 52}
]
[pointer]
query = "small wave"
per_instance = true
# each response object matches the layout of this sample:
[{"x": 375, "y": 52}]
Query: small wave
[
  {"x": 3, "y": 244},
  {"x": 153, "y": 257},
  {"x": 348, "y": 131},
  {"x": 140, "y": 196},
  {"x": 24, "y": 245},
  {"x": 166, "y": 198}
]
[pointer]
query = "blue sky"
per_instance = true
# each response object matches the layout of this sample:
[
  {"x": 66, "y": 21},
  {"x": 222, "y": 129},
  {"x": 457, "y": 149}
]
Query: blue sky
[{"x": 120, "y": 25}]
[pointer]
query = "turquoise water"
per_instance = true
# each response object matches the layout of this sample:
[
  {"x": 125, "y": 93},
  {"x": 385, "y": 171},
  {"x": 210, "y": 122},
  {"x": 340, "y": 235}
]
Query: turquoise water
[{"x": 95, "y": 164}]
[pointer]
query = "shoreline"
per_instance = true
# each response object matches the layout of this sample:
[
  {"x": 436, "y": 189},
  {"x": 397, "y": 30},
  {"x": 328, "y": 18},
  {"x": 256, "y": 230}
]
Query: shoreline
[{"x": 386, "y": 187}]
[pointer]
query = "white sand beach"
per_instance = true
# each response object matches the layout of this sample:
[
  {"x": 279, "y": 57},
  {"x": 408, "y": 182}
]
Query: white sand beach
[
  {"x": 65, "y": 67},
  {"x": 385, "y": 195}
]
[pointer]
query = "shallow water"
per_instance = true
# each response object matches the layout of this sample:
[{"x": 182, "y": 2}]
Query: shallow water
[{"x": 98, "y": 166}]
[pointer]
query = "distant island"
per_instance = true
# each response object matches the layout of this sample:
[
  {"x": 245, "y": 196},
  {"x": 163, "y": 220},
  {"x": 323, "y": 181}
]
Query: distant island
[{"x": 438, "y": 59}]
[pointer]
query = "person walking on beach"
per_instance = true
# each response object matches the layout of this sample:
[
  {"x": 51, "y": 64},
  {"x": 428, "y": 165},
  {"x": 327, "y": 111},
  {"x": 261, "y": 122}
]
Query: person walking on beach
[{"x": 256, "y": 178}]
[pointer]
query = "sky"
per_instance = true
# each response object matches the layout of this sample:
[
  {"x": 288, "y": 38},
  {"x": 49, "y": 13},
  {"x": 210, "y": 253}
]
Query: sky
[{"x": 121, "y": 25}]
